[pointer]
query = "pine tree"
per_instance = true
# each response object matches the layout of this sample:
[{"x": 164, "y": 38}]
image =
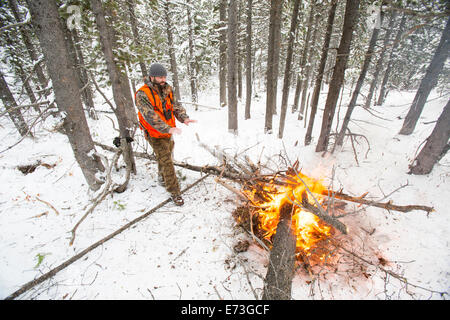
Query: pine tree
[
  {"x": 359, "y": 83},
  {"x": 350, "y": 18},
  {"x": 428, "y": 82},
  {"x": 288, "y": 66},
  {"x": 276, "y": 7},
  {"x": 47, "y": 24},
  {"x": 436, "y": 147},
  {"x": 231, "y": 66},
  {"x": 320, "y": 72}
]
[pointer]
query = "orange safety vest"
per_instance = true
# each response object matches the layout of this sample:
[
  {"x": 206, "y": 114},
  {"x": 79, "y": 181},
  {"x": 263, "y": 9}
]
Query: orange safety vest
[{"x": 157, "y": 104}]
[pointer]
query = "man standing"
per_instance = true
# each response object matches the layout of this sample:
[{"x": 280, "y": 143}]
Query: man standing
[{"x": 157, "y": 110}]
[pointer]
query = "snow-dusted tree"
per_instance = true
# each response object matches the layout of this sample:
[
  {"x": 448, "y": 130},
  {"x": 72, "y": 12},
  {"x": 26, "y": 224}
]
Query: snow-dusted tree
[
  {"x": 12, "y": 109},
  {"x": 304, "y": 57},
  {"x": 136, "y": 38},
  {"x": 124, "y": 109},
  {"x": 223, "y": 52},
  {"x": 288, "y": 66},
  {"x": 390, "y": 61},
  {"x": 231, "y": 67},
  {"x": 308, "y": 67},
  {"x": 428, "y": 82},
  {"x": 273, "y": 57},
  {"x": 320, "y": 71},
  {"x": 350, "y": 19},
  {"x": 248, "y": 60},
  {"x": 173, "y": 59},
  {"x": 379, "y": 64},
  {"x": 47, "y": 25},
  {"x": 191, "y": 58},
  {"x": 26, "y": 35},
  {"x": 359, "y": 83},
  {"x": 436, "y": 147}
]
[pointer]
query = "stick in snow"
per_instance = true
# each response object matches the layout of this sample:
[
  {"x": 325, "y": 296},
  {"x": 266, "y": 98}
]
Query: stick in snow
[{"x": 62, "y": 266}]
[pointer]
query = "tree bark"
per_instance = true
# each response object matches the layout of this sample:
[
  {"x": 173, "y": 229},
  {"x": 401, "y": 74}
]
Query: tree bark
[
  {"x": 308, "y": 69},
  {"x": 231, "y": 64},
  {"x": 191, "y": 65},
  {"x": 382, "y": 94},
  {"x": 278, "y": 281},
  {"x": 379, "y": 64},
  {"x": 223, "y": 53},
  {"x": 87, "y": 91},
  {"x": 320, "y": 71},
  {"x": 301, "y": 76},
  {"x": 130, "y": 6},
  {"x": 436, "y": 146},
  {"x": 428, "y": 82},
  {"x": 359, "y": 84},
  {"x": 350, "y": 19},
  {"x": 173, "y": 60},
  {"x": 24, "y": 32},
  {"x": 11, "y": 107},
  {"x": 273, "y": 54},
  {"x": 248, "y": 64},
  {"x": 124, "y": 109},
  {"x": 288, "y": 66},
  {"x": 47, "y": 24}
]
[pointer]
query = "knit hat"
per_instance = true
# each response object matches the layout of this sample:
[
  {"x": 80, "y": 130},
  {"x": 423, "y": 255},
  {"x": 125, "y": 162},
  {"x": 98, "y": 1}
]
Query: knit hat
[{"x": 157, "y": 70}]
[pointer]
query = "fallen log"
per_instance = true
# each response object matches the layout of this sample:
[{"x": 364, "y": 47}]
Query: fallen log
[
  {"x": 68, "y": 262},
  {"x": 386, "y": 205},
  {"x": 280, "y": 272}
]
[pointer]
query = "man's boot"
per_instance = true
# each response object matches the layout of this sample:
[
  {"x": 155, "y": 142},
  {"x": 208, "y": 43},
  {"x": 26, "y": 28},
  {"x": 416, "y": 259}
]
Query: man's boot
[{"x": 177, "y": 199}]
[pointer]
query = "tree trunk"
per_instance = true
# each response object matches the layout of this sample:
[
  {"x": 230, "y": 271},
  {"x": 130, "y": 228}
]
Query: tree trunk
[
  {"x": 124, "y": 110},
  {"x": 428, "y": 82},
  {"x": 383, "y": 93},
  {"x": 278, "y": 282},
  {"x": 308, "y": 69},
  {"x": 79, "y": 67},
  {"x": 87, "y": 91},
  {"x": 273, "y": 55},
  {"x": 231, "y": 63},
  {"x": 436, "y": 146},
  {"x": 47, "y": 24},
  {"x": 301, "y": 76},
  {"x": 320, "y": 71},
  {"x": 24, "y": 32},
  {"x": 239, "y": 51},
  {"x": 11, "y": 107},
  {"x": 130, "y": 6},
  {"x": 248, "y": 64},
  {"x": 350, "y": 19},
  {"x": 223, "y": 53},
  {"x": 173, "y": 60},
  {"x": 379, "y": 64},
  {"x": 192, "y": 75},
  {"x": 359, "y": 84},
  {"x": 287, "y": 71}
]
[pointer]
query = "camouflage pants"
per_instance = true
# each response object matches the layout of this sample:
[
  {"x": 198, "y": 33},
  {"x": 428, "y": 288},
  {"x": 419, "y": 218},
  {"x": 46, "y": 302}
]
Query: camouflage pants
[{"x": 163, "y": 148}]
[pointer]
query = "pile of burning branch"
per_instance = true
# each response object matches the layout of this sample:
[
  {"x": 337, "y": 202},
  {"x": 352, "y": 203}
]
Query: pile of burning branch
[{"x": 293, "y": 216}]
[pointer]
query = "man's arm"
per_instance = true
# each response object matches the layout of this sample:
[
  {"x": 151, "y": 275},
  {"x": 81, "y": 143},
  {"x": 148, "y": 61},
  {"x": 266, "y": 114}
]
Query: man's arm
[{"x": 178, "y": 110}]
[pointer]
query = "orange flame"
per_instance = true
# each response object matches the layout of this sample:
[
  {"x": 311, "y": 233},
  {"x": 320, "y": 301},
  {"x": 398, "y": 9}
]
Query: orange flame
[{"x": 307, "y": 227}]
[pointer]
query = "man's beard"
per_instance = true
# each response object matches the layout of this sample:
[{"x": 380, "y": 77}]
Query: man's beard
[{"x": 159, "y": 85}]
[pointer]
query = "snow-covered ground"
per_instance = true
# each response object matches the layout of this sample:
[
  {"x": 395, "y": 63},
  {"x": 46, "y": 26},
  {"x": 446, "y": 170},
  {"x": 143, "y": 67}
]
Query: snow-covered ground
[{"x": 187, "y": 252}]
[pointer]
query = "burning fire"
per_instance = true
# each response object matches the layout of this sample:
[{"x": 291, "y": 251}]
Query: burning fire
[{"x": 311, "y": 232}]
